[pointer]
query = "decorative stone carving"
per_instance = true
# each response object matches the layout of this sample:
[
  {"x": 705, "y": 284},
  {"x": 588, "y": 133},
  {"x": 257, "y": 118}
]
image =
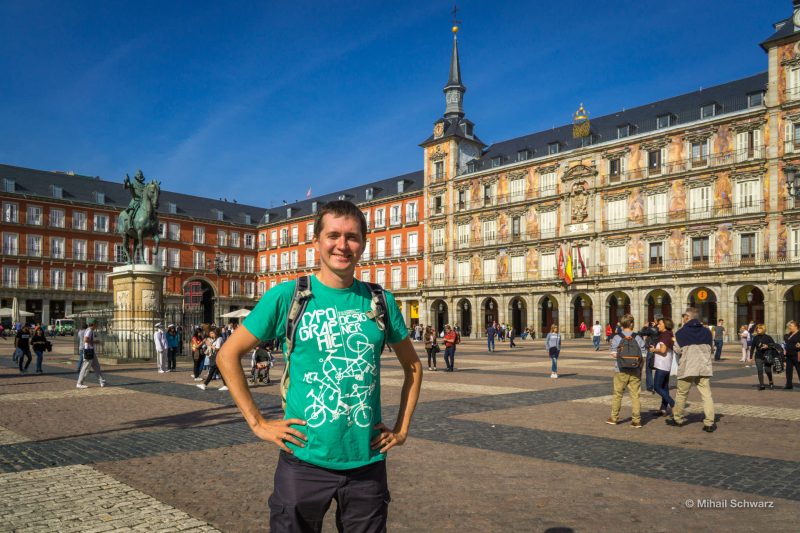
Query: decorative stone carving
[
  {"x": 149, "y": 299},
  {"x": 701, "y": 135},
  {"x": 656, "y": 144},
  {"x": 617, "y": 196},
  {"x": 438, "y": 154},
  {"x": 694, "y": 183},
  {"x": 517, "y": 174},
  {"x": 548, "y": 169},
  {"x": 546, "y": 208},
  {"x": 616, "y": 154},
  {"x": 750, "y": 125},
  {"x": 124, "y": 299},
  {"x": 744, "y": 176},
  {"x": 658, "y": 189},
  {"x": 579, "y": 201},
  {"x": 579, "y": 171}
]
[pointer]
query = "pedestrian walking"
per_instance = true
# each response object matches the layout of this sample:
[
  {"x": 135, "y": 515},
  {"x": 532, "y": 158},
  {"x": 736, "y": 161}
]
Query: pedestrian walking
[
  {"x": 597, "y": 335},
  {"x": 22, "y": 342},
  {"x": 491, "y": 332},
  {"x": 744, "y": 339},
  {"x": 791, "y": 342},
  {"x": 212, "y": 345},
  {"x": 719, "y": 339},
  {"x": 198, "y": 354},
  {"x": 758, "y": 349},
  {"x": 693, "y": 344},
  {"x": 511, "y": 334},
  {"x": 160, "y": 340},
  {"x": 340, "y": 452},
  {"x": 450, "y": 341},
  {"x": 662, "y": 363},
  {"x": 39, "y": 343},
  {"x": 628, "y": 350},
  {"x": 173, "y": 341},
  {"x": 431, "y": 347},
  {"x": 582, "y": 329},
  {"x": 609, "y": 333},
  {"x": 80, "y": 348},
  {"x": 649, "y": 334},
  {"x": 89, "y": 357},
  {"x": 552, "y": 344}
]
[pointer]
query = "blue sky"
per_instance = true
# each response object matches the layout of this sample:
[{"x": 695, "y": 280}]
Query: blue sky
[{"x": 259, "y": 100}]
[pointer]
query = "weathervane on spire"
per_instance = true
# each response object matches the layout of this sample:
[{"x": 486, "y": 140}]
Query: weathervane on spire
[{"x": 456, "y": 22}]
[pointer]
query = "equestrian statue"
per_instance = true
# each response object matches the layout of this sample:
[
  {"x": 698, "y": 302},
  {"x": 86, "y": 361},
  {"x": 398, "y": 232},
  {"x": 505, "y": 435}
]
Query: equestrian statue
[{"x": 139, "y": 219}]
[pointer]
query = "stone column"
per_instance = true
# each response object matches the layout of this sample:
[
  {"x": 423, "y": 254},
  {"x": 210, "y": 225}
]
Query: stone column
[
  {"x": 533, "y": 312},
  {"x": 45, "y": 312},
  {"x": 771, "y": 311},
  {"x": 726, "y": 311},
  {"x": 502, "y": 309},
  {"x": 477, "y": 327},
  {"x": 67, "y": 307}
]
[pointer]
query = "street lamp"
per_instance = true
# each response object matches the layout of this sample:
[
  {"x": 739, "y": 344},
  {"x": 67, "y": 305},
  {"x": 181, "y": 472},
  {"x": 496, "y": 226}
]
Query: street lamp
[
  {"x": 750, "y": 297},
  {"x": 659, "y": 300},
  {"x": 466, "y": 306},
  {"x": 491, "y": 305},
  {"x": 217, "y": 265},
  {"x": 441, "y": 307}
]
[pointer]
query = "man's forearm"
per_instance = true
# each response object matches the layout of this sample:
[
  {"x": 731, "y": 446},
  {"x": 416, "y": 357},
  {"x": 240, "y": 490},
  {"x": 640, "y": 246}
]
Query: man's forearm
[
  {"x": 409, "y": 396},
  {"x": 231, "y": 368}
]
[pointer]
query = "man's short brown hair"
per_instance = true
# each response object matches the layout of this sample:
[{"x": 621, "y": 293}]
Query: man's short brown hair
[
  {"x": 341, "y": 208},
  {"x": 626, "y": 321}
]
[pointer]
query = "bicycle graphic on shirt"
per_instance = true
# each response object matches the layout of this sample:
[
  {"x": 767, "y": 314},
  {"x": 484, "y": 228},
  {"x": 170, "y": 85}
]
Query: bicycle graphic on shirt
[{"x": 328, "y": 397}]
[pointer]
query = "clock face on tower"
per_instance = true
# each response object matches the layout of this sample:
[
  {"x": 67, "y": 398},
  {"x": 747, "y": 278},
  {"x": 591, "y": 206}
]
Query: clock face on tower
[{"x": 438, "y": 130}]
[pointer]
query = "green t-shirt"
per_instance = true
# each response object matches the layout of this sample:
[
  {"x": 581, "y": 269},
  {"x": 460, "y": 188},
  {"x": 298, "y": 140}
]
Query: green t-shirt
[{"x": 335, "y": 369}]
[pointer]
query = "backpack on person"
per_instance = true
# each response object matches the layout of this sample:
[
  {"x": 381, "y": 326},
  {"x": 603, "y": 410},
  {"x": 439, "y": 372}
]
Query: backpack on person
[
  {"x": 458, "y": 338},
  {"x": 774, "y": 357},
  {"x": 629, "y": 353},
  {"x": 302, "y": 294}
]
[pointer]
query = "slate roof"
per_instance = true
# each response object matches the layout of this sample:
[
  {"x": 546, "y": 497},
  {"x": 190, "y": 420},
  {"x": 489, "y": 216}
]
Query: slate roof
[
  {"x": 82, "y": 189},
  {"x": 728, "y": 97},
  {"x": 783, "y": 29}
]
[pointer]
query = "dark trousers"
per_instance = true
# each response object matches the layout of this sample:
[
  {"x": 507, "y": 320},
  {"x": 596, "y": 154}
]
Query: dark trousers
[
  {"x": 511, "y": 342},
  {"x": 792, "y": 364},
  {"x": 648, "y": 371},
  {"x": 39, "y": 358},
  {"x": 213, "y": 371},
  {"x": 431, "y": 357},
  {"x": 171, "y": 353},
  {"x": 26, "y": 353},
  {"x": 718, "y": 352},
  {"x": 450, "y": 357},
  {"x": 303, "y": 494},
  {"x": 198, "y": 365},
  {"x": 761, "y": 367},
  {"x": 661, "y": 385}
]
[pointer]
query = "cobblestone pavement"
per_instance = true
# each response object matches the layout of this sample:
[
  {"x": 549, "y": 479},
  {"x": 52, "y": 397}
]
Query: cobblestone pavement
[{"x": 495, "y": 446}]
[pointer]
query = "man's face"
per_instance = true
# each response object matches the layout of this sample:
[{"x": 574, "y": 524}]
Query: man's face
[
  {"x": 339, "y": 244},
  {"x": 685, "y": 318}
]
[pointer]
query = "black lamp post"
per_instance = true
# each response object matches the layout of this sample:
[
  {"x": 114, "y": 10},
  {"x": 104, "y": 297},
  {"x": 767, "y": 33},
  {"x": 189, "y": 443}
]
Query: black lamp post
[{"x": 217, "y": 265}]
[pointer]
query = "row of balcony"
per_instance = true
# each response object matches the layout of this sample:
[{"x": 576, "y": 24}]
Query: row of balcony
[{"x": 85, "y": 286}]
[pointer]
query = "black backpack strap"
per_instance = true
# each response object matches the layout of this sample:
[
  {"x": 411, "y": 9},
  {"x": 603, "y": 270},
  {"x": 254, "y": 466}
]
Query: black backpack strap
[
  {"x": 379, "y": 308},
  {"x": 300, "y": 298}
]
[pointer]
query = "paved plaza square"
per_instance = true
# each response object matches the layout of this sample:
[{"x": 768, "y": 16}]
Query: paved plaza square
[{"x": 496, "y": 446}]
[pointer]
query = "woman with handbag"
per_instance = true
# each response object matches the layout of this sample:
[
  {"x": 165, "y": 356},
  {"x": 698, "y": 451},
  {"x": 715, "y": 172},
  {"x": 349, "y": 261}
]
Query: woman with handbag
[
  {"x": 791, "y": 342},
  {"x": 39, "y": 344},
  {"x": 553, "y": 344},
  {"x": 198, "y": 357},
  {"x": 431, "y": 347},
  {"x": 760, "y": 344}
]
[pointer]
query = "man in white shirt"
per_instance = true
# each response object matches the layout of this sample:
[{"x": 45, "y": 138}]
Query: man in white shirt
[
  {"x": 160, "y": 340},
  {"x": 597, "y": 335},
  {"x": 89, "y": 359}
]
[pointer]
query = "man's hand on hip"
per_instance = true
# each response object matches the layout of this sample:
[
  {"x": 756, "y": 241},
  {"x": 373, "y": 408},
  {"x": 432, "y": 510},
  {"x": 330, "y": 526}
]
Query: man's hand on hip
[
  {"x": 387, "y": 438},
  {"x": 279, "y": 432}
]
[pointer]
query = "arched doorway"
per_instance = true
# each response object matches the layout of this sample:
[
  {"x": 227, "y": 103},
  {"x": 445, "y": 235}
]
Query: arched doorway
[
  {"x": 465, "y": 315},
  {"x": 548, "y": 310},
  {"x": 581, "y": 312},
  {"x": 792, "y": 304},
  {"x": 749, "y": 306},
  {"x": 489, "y": 312},
  {"x": 705, "y": 301},
  {"x": 199, "y": 300},
  {"x": 519, "y": 314},
  {"x": 618, "y": 304},
  {"x": 659, "y": 305},
  {"x": 439, "y": 315}
]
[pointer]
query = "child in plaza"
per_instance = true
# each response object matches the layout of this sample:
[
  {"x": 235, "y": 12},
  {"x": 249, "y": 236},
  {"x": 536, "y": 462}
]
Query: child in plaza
[{"x": 627, "y": 346}]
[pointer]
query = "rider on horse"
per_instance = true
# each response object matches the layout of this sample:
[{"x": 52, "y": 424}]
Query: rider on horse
[{"x": 137, "y": 191}]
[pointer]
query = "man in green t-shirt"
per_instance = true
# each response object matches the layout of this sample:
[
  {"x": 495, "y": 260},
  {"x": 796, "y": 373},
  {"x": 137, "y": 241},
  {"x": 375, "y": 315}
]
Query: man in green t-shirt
[{"x": 332, "y": 437}]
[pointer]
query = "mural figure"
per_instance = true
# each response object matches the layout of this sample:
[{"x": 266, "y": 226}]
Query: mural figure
[
  {"x": 677, "y": 202},
  {"x": 783, "y": 235},
  {"x": 723, "y": 244},
  {"x": 502, "y": 267},
  {"x": 532, "y": 225},
  {"x": 636, "y": 255},
  {"x": 722, "y": 193},
  {"x": 502, "y": 227},
  {"x": 675, "y": 248},
  {"x": 532, "y": 263},
  {"x": 477, "y": 270},
  {"x": 636, "y": 207}
]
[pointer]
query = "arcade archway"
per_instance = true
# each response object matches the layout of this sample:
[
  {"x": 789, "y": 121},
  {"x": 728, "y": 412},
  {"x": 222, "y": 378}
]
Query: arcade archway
[
  {"x": 548, "y": 310},
  {"x": 518, "y": 311},
  {"x": 749, "y": 306},
  {"x": 581, "y": 312},
  {"x": 439, "y": 313},
  {"x": 659, "y": 305},
  {"x": 618, "y": 303},
  {"x": 465, "y": 317},
  {"x": 489, "y": 312},
  {"x": 199, "y": 301},
  {"x": 705, "y": 301}
]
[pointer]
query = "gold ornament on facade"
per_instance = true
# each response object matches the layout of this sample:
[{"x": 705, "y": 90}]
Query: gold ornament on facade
[
  {"x": 581, "y": 126},
  {"x": 438, "y": 130}
]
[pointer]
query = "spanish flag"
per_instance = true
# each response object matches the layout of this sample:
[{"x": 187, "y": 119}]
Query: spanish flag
[{"x": 568, "y": 277}]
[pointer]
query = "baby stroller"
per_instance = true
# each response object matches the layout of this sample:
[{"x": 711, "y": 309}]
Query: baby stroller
[{"x": 261, "y": 361}]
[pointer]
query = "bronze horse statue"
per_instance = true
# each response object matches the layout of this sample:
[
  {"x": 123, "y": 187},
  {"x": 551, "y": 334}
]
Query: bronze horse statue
[{"x": 140, "y": 219}]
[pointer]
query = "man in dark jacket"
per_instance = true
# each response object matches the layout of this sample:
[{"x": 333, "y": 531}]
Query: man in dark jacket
[{"x": 650, "y": 335}]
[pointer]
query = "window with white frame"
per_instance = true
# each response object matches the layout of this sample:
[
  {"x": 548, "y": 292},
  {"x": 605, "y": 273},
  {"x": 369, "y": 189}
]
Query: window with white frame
[
  {"x": 489, "y": 232},
  {"x": 79, "y": 220},
  {"x": 79, "y": 249},
  {"x": 747, "y": 247},
  {"x": 617, "y": 259},
  {"x": 438, "y": 273},
  {"x": 101, "y": 223},
  {"x": 34, "y": 277},
  {"x": 380, "y": 277},
  {"x": 9, "y": 185},
  {"x": 250, "y": 241},
  {"x": 199, "y": 262},
  {"x": 463, "y": 199},
  {"x": 463, "y": 232},
  {"x": 397, "y": 245},
  {"x": 34, "y": 215},
  {"x": 309, "y": 231},
  {"x": 273, "y": 238},
  {"x": 10, "y": 212},
  {"x": 700, "y": 249},
  {"x": 547, "y": 183},
  {"x": 548, "y": 221},
  {"x": 293, "y": 259},
  {"x": 58, "y": 278},
  {"x": 748, "y": 145},
  {"x": 438, "y": 239},
  {"x": 56, "y": 218},
  {"x": 100, "y": 281},
  {"x": 284, "y": 260},
  {"x": 367, "y": 251},
  {"x": 413, "y": 244},
  {"x": 57, "y": 247},
  {"x": 394, "y": 215},
  {"x": 262, "y": 264},
  {"x": 490, "y": 193},
  {"x": 380, "y": 248},
  {"x": 101, "y": 251},
  {"x": 518, "y": 268},
  {"x": 235, "y": 263},
  {"x": 249, "y": 264},
  {"x": 119, "y": 253},
  {"x": 397, "y": 278},
  {"x": 656, "y": 161},
  {"x": 10, "y": 244},
  {"x": 411, "y": 212},
  {"x": 273, "y": 262},
  {"x": 747, "y": 196},
  {"x": 411, "y": 276},
  {"x": 380, "y": 218},
  {"x": 199, "y": 235},
  {"x": 272, "y": 283},
  {"x": 10, "y": 276},
  {"x": 262, "y": 287},
  {"x": 34, "y": 248},
  {"x": 284, "y": 236},
  {"x": 235, "y": 287},
  {"x": 366, "y": 275},
  {"x": 616, "y": 169},
  {"x": 222, "y": 238},
  {"x": 490, "y": 270},
  {"x": 174, "y": 231},
  {"x": 249, "y": 289},
  {"x": 295, "y": 235},
  {"x": 310, "y": 259},
  {"x": 547, "y": 265},
  {"x": 792, "y": 83},
  {"x": 463, "y": 271},
  {"x": 700, "y": 202},
  {"x": 80, "y": 280},
  {"x": 794, "y": 244},
  {"x": 174, "y": 258},
  {"x": 517, "y": 187},
  {"x": 657, "y": 208},
  {"x": 699, "y": 153},
  {"x": 366, "y": 218},
  {"x": 234, "y": 239}
]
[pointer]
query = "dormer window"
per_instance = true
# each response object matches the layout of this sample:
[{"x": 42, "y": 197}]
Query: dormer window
[
  {"x": 523, "y": 155},
  {"x": 553, "y": 148},
  {"x": 58, "y": 192},
  {"x": 401, "y": 186},
  {"x": 218, "y": 214},
  {"x": 368, "y": 194},
  {"x": 247, "y": 219},
  {"x": 755, "y": 99},
  {"x": 9, "y": 185},
  {"x": 100, "y": 198},
  {"x": 496, "y": 161},
  {"x": 289, "y": 212},
  {"x": 708, "y": 110},
  {"x": 342, "y": 197},
  {"x": 664, "y": 121},
  {"x": 172, "y": 207},
  {"x": 471, "y": 166},
  {"x": 587, "y": 141},
  {"x": 623, "y": 131},
  {"x": 313, "y": 207},
  {"x": 266, "y": 217}
]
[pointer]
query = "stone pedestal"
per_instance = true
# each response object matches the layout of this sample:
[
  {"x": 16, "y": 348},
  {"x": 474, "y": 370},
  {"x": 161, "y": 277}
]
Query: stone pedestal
[{"x": 138, "y": 303}]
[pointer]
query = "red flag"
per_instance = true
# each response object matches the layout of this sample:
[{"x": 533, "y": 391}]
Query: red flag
[
  {"x": 308, "y": 194},
  {"x": 581, "y": 263},
  {"x": 561, "y": 262}
]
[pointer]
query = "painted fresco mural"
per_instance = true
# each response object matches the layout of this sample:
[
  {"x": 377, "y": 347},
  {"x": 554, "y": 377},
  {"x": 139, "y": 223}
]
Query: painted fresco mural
[
  {"x": 532, "y": 263},
  {"x": 502, "y": 267},
  {"x": 783, "y": 238},
  {"x": 723, "y": 244},
  {"x": 636, "y": 206},
  {"x": 502, "y": 227},
  {"x": 636, "y": 254},
  {"x": 723, "y": 192},
  {"x": 675, "y": 247},
  {"x": 532, "y": 223},
  {"x": 476, "y": 266},
  {"x": 677, "y": 200}
]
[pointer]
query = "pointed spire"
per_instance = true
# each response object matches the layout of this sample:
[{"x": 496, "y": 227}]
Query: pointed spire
[
  {"x": 454, "y": 90},
  {"x": 455, "y": 67}
]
